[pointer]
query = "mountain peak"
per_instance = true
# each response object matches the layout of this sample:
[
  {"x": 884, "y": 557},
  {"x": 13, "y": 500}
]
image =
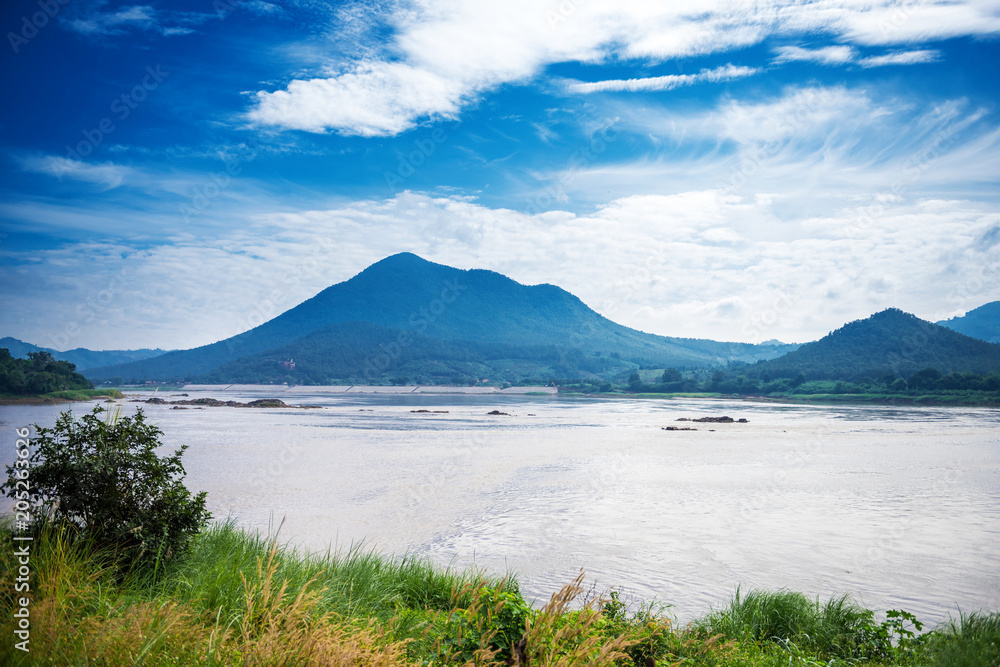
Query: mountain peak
[
  {"x": 402, "y": 264},
  {"x": 890, "y": 318},
  {"x": 401, "y": 258},
  {"x": 893, "y": 315},
  {"x": 890, "y": 341}
]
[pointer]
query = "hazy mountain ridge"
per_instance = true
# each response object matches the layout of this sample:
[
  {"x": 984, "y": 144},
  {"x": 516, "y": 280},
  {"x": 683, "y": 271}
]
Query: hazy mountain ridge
[
  {"x": 407, "y": 293},
  {"x": 80, "y": 357},
  {"x": 982, "y": 322},
  {"x": 890, "y": 342}
]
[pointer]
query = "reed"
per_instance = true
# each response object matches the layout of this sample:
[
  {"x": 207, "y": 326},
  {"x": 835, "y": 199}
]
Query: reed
[{"x": 970, "y": 641}]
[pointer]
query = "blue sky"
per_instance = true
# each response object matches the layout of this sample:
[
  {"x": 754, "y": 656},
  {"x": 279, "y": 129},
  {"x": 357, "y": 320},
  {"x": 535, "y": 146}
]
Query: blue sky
[{"x": 176, "y": 172}]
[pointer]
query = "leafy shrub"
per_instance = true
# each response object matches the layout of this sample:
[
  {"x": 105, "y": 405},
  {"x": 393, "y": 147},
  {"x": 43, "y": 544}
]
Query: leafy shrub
[
  {"x": 489, "y": 628},
  {"x": 103, "y": 477},
  {"x": 651, "y": 636}
]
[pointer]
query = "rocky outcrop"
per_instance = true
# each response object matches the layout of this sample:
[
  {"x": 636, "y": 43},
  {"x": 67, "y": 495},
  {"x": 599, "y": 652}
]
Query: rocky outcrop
[
  {"x": 215, "y": 403},
  {"x": 714, "y": 420}
]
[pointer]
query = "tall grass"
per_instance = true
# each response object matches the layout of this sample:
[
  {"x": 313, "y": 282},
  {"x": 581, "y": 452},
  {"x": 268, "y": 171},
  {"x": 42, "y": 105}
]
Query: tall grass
[
  {"x": 354, "y": 583},
  {"x": 971, "y": 641},
  {"x": 839, "y": 628},
  {"x": 237, "y": 599}
]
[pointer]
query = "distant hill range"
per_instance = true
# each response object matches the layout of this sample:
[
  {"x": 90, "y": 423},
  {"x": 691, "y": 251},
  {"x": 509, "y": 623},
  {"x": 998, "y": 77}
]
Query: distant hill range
[
  {"x": 982, "y": 323},
  {"x": 82, "y": 358},
  {"x": 889, "y": 342},
  {"x": 407, "y": 316}
]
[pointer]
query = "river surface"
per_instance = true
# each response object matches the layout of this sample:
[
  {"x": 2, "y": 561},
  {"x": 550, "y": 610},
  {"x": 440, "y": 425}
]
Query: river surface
[{"x": 899, "y": 507}]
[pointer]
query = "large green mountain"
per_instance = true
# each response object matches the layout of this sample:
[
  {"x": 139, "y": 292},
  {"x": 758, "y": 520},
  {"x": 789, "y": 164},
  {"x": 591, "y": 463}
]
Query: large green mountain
[
  {"x": 80, "y": 357},
  {"x": 982, "y": 323},
  {"x": 889, "y": 342},
  {"x": 407, "y": 293},
  {"x": 362, "y": 352}
]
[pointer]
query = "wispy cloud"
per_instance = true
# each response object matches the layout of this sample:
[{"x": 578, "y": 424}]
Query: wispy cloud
[
  {"x": 809, "y": 149},
  {"x": 105, "y": 174},
  {"x": 827, "y": 55},
  {"x": 95, "y": 20},
  {"x": 724, "y": 73},
  {"x": 901, "y": 58},
  {"x": 261, "y": 8},
  {"x": 846, "y": 55}
]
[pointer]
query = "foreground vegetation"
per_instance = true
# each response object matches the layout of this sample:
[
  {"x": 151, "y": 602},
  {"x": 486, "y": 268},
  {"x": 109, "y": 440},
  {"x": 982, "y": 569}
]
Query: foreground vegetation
[{"x": 237, "y": 599}]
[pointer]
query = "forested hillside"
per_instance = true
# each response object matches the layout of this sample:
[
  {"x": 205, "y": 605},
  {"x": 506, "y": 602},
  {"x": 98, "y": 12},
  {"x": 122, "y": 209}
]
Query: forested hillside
[
  {"x": 361, "y": 353},
  {"x": 888, "y": 343},
  {"x": 38, "y": 374}
]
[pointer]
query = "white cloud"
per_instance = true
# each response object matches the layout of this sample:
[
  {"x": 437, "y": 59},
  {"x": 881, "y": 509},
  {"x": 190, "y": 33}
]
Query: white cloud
[
  {"x": 374, "y": 99},
  {"x": 261, "y": 8},
  {"x": 94, "y": 20},
  {"x": 725, "y": 73},
  {"x": 843, "y": 55},
  {"x": 828, "y": 55},
  {"x": 797, "y": 112},
  {"x": 113, "y": 22},
  {"x": 884, "y": 23},
  {"x": 106, "y": 174},
  {"x": 445, "y": 53},
  {"x": 901, "y": 58}
]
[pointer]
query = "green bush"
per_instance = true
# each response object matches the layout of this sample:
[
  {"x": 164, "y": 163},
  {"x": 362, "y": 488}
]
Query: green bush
[
  {"x": 492, "y": 624},
  {"x": 650, "y": 634},
  {"x": 104, "y": 478}
]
